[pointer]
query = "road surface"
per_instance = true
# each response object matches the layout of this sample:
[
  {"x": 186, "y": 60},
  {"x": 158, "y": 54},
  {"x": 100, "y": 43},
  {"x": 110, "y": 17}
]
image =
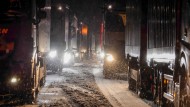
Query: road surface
[{"x": 83, "y": 85}]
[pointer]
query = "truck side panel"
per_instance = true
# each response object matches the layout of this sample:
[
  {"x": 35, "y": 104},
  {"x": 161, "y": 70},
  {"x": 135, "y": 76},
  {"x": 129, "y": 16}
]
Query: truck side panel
[
  {"x": 73, "y": 32},
  {"x": 132, "y": 35},
  {"x": 161, "y": 29},
  {"x": 44, "y": 30},
  {"x": 57, "y": 32},
  {"x": 185, "y": 38}
]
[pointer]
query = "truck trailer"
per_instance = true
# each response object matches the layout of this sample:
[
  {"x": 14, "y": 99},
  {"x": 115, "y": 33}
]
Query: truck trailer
[
  {"x": 22, "y": 63},
  {"x": 113, "y": 41},
  {"x": 157, "y": 50},
  {"x": 63, "y": 36}
]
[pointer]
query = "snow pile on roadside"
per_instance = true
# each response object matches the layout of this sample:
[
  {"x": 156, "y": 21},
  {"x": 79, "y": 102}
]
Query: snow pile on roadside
[{"x": 116, "y": 91}]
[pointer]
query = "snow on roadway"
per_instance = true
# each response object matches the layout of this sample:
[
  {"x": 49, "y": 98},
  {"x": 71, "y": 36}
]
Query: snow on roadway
[
  {"x": 52, "y": 96},
  {"x": 73, "y": 87},
  {"x": 76, "y": 87},
  {"x": 117, "y": 92}
]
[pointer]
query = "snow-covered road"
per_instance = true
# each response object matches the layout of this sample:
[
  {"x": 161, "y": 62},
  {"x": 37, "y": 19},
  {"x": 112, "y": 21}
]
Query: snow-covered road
[
  {"x": 73, "y": 87},
  {"x": 83, "y": 85},
  {"x": 116, "y": 91}
]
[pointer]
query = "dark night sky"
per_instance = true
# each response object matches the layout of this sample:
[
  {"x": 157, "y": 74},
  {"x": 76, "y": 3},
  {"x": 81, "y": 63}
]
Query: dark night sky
[
  {"x": 86, "y": 9},
  {"x": 90, "y": 12}
]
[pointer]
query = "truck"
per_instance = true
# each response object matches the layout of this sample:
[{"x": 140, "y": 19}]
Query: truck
[
  {"x": 157, "y": 50},
  {"x": 63, "y": 36},
  {"x": 114, "y": 63},
  {"x": 22, "y": 63}
]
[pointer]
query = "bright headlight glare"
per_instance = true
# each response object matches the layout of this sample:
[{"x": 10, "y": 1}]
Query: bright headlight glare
[
  {"x": 109, "y": 58},
  {"x": 53, "y": 54},
  {"x": 102, "y": 54},
  {"x": 14, "y": 80},
  {"x": 67, "y": 57},
  {"x": 76, "y": 54}
]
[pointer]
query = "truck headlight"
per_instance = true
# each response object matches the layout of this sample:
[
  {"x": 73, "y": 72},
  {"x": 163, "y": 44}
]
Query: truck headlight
[
  {"x": 14, "y": 80},
  {"x": 53, "y": 54},
  {"x": 102, "y": 54},
  {"x": 77, "y": 54},
  {"x": 67, "y": 57},
  {"x": 109, "y": 58}
]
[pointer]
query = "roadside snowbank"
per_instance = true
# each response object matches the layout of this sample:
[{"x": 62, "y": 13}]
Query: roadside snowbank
[{"x": 116, "y": 91}]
